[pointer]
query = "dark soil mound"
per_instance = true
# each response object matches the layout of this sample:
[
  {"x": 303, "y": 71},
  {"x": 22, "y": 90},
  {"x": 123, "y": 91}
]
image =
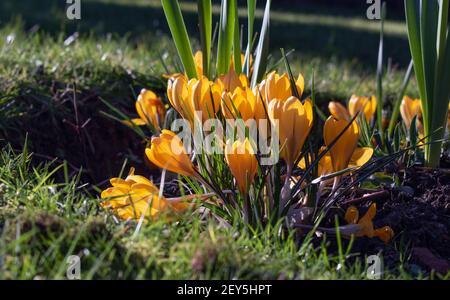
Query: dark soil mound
[{"x": 419, "y": 214}]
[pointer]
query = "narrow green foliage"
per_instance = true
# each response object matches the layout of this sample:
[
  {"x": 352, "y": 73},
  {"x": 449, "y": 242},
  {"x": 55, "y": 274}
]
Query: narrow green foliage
[
  {"x": 179, "y": 34},
  {"x": 380, "y": 101},
  {"x": 205, "y": 24},
  {"x": 262, "y": 50},
  {"x": 427, "y": 24},
  {"x": 237, "y": 43},
  {"x": 226, "y": 35},
  {"x": 251, "y": 7}
]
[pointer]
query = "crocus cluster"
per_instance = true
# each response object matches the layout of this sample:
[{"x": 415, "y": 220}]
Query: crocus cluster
[{"x": 277, "y": 101}]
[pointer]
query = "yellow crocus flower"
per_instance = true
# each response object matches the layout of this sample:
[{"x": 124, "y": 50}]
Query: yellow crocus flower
[
  {"x": 409, "y": 108},
  {"x": 167, "y": 152},
  {"x": 205, "y": 98},
  {"x": 356, "y": 104},
  {"x": 137, "y": 197},
  {"x": 242, "y": 162},
  {"x": 279, "y": 87},
  {"x": 295, "y": 122},
  {"x": 365, "y": 224},
  {"x": 343, "y": 149},
  {"x": 230, "y": 81},
  {"x": 325, "y": 166},
  {"x": 179, "y": 91},
  {"x": 150, "y": 109},
  {"x": 243, "y": 101}
]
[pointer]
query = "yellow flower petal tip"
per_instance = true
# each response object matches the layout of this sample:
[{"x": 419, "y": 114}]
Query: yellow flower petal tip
[{"x": 384, "y": 233}]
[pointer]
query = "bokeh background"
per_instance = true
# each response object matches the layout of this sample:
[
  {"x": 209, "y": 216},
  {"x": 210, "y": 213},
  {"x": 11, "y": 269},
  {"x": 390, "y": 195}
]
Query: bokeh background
[{"x": 56, "y": 74}]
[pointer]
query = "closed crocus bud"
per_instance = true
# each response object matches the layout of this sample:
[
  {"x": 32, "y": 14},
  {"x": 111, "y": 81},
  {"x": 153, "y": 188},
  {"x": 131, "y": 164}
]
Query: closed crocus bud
[
  {"x": 167, "y": 152},
  {"x": 242, "y": 162},
  {"x": 343, "y": 149},
  {"x": 179, "y": 92},
  {"x": 240, "y": 103},
  {"x": 409, "y": 108},
  {"x": 205, "y": 98},
  {"x": 364, "y": 105},
  {"x": 338, "y": 111},
  {"x": 295, "y": 122},
  {"x": 150, "y": 108},
  {"x": 279, "y": 87}
]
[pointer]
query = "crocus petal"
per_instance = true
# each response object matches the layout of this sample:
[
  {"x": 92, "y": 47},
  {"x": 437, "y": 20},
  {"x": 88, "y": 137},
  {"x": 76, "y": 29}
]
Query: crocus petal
[
  {"x": 342, "y": 150},
  {"x": 295, "y": 121},
  {"x": 198, "y": 61},
  {"x": 363, "y": 105},
  {"x": 135, "y": 197},
  {"x": 278, "y": 87},
  {"x": 352, "y": 215},
  {"x": 361, "y": 156},
  {"x": 150, "y": 108},
  {"x": 230, "y": 81},
  {"x": 338, "y": 111},
  {"x": 366, "y": 221},
  {"x": 167, "y": 152},
  {"x": 205, "y": 98},
  {"x": 409, "y": 108},
  {"x": 242, "y": 162},
  {"x": 384, "y": 233}
]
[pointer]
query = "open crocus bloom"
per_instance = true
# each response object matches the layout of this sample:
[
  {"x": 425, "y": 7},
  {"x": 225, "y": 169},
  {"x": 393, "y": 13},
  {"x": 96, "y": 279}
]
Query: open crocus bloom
[
  {"x": 356, "y": 104},
  {"x": 150, "y": 109},
  {"x": 242, "y": 162},
  {"x": 295, "y": 122},
  {"x": 230, "y": 81},
  {"x": 205, "y": 98},
  {"x": 359, "y": 158},
  {"x": 137, "y": 197},
  {"x": 279, "y": 87},
  {"x": 243, "y": 103},
  {"x": 343, "y": 149},
  {"x": 167, "y": 152},
  {"x": 365, "y": 224}
]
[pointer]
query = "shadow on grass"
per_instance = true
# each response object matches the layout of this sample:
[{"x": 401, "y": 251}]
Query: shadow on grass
[{"x": 138, "y": 21}]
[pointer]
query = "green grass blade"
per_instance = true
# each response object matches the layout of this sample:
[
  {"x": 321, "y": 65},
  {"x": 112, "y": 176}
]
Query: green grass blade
[
  {"x": 251, "y": 8},
  {"x": 205, "y": 24},
  {"x": 237, "y": 42},
  {"x": 226, "y": 36},
  {"x": 179, "y": 34},
  {"x": 262, "y": 49}
]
